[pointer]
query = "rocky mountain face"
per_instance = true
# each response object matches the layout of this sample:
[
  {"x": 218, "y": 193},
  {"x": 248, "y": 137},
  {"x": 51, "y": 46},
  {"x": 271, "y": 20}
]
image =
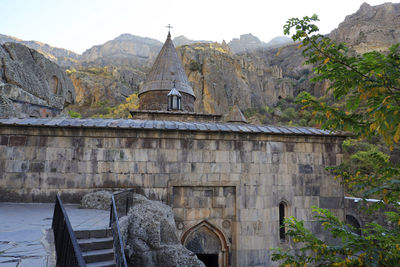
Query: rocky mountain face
[
  {"x": 125, "y": 50},
  {"x": 183, "y": 40},
  {"x": 370, "y": 28},
  {"x": 246, "y": 71},
  {"x": 246, "y": 42},
  {"x": 249, "y": 43},
  {"x": 61, "y": 56},
  {"x": 221, "y": 79},
  {"x": 99, "y": 87},
  {"x": 30, "y": 84}
]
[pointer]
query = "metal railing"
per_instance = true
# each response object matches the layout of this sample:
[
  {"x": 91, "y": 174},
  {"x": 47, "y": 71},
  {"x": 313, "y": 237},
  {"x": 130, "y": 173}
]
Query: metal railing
[
  {"x": 67, "y": 248},
  {"x": 123, "y": 201},
  {"x": 119, "y": 252}
]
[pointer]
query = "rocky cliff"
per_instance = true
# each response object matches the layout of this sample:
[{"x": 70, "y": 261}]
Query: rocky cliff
[
  {"x": 183, "y": 40},
  {"x": 61, "y": 56},
  {"x": 100, "y": 87},
  {"x": 250, "y": 43},
  {"x": 30, "y": 84},
  {"x": 126, "y": 50},
  {"x": 221, "y": 79},
  {"x": 370, "y": 28},
  {"x": 247, "y": 72}
]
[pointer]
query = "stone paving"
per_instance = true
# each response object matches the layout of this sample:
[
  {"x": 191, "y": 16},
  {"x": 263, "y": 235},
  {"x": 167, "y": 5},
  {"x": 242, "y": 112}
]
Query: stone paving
[{"x": 25, "y": 237}]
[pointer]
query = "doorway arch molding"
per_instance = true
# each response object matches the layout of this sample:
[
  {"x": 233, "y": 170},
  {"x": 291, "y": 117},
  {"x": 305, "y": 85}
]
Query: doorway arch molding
[{"x": 223, "y": 256}]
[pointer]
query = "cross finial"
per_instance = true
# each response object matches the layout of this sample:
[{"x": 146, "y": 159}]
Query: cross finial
[
  {"x": 169, "y": 29},
  {"x": 174, "y": 83}
]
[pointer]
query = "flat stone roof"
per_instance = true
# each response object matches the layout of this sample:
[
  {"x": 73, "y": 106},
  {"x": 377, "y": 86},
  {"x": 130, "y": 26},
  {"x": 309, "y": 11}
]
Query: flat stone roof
[{"x": 168, "y": 125}]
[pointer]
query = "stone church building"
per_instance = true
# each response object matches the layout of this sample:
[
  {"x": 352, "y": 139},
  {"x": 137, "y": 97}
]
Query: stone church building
[{"x": 229, "y": 183}]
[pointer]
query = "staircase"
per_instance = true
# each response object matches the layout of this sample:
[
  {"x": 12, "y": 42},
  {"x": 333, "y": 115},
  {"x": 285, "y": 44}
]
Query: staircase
[{"x": 97, "y": 247}]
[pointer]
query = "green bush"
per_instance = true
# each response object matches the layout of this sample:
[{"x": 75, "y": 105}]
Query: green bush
[
  {"x": 74, "y": 114},
  {"x": 194, "y": 66}
]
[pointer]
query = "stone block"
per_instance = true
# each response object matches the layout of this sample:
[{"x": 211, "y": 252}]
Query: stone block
[
  {"x": 254, "y": 169},
  {"x": 216, "y": 213},
  {"x": 209, "y": 156},
  {"x": 195, "y": 156},
  {"x": 187, "y": 144},
  {"x": 141, "y": 155},
  {"x": 161, "y": 180},
  {"x": 55, "y": 181},
  {"x": 311, "y": 190},
  {"x": 4, "y": 140},
  {"x": 170, "y": 155},
  {"x": 15, "y": 180},
  {"x": 225, "y": 177},
  {"x": 54, "y": 153},
  {"x": 222, "y": 156},
  {"x": 331, "y": 202},
  {"x": 173, "y": 167},
  {"x": 225, "y": 145},
  {"x": 275, "y": 147},
  {"x": 290, "y": 147},
  {"x": 36, "y": 167},
  {"x": 148, "y": 180},
  {"x": 17, "y": 166},
  {"x": 213, "y": 177},
  {"x": 17, "y": 140},
  {"x": 244, "y": 157},
  {"x": 15, "y": 153},
  {"x": 305, "y": 168},
  {"x": 235, "y": 168}
]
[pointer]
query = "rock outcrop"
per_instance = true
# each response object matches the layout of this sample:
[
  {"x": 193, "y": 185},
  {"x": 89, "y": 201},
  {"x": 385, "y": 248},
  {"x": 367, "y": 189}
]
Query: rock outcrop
[
  {"x": 125, "y": 50},
  {"x": 221, "y": 79},
  {"x": 61, "y": 56},
  {"x": 100, "y": 200},
  {"x": 246, "y": 42},
  {"x": 183, "y": 40},
  {"x": 150, "y": 235},
  {"x": 370, "y": 28},
  {"x": 30, "y": 84},
  {"x": 103, "y": 85}
]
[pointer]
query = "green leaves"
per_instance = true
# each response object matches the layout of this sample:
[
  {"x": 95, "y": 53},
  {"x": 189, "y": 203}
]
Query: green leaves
[
  {"x": 363, "y": 98},
  {"x": 376, "y": 246},
  {"x": 366, "y": 86}
]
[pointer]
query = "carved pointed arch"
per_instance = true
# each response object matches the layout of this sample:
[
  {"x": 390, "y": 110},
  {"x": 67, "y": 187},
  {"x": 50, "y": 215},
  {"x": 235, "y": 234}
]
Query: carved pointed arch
[{"x": 213, "y": 234}]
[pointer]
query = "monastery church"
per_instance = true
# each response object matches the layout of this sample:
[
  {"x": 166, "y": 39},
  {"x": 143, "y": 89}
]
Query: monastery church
[{"x": 229, "y": 183}]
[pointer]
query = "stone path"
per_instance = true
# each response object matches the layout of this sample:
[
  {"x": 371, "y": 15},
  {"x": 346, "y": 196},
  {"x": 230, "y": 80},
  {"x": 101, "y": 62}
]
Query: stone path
[{"x": 25, "y": 234}]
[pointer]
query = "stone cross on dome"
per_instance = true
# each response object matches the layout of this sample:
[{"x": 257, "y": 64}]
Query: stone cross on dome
[{"x": 169, "y": 29}]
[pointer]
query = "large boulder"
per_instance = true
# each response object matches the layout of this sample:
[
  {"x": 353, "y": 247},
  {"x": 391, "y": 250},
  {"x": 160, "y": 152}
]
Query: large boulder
[
  {"x": 30, "y": 84},
  {"x": 100, "y": 200},
  {"x": 150, "y": 235}
]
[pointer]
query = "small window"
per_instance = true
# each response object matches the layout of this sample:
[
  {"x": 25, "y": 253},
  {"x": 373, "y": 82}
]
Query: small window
[
  {"x": 282, "y": 215},
  {"x": 174, "y": 99}
]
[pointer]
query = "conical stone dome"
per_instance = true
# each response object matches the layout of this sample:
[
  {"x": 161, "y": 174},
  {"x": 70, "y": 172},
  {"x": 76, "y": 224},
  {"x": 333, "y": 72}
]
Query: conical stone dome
[{"x": 166, "y": 73}]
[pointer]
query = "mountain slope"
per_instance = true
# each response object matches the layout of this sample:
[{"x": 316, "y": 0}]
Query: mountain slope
[{"x": 61, "y": 56}]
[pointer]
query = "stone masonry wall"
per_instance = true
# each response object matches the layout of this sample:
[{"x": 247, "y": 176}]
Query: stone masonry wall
[
  {"x": 233, "y": 181},
  {"x": 158, "y": 100}
]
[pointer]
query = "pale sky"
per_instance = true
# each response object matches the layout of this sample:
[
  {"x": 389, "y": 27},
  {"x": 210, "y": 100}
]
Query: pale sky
[{"x": 77, "y": 25}]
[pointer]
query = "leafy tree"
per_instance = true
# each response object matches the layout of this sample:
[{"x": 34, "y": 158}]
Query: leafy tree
[
  {"x": 122, "y": 110},
  {"x": 365, "y": 100}
]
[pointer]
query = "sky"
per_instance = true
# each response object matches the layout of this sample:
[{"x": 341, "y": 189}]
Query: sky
[{"x": 78, "y": 25}]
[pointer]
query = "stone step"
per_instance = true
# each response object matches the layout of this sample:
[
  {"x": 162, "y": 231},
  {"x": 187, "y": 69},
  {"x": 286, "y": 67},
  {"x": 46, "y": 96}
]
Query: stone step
[
  {"x": 98, "y": 255},
  {"x": 93, "y": 233},
  {"x": 95, "y": 243},
  {"x": 102, "y": 264}
]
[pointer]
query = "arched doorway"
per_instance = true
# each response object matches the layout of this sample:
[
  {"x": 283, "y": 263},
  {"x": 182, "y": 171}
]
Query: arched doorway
[
  {"x": 350, "y": 219},
  {"x": 208, "y": 243}
]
